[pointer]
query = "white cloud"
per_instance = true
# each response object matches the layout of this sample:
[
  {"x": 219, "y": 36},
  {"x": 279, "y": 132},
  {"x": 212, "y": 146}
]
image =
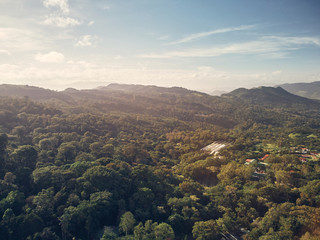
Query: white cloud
[
  {"x": 82, "y": 64},
  {"x": 90, "y": 23},
  {"x": 196, "y": 36},
  {"x": 277, "y": 72},
  {"x": 267, "y": 46},
  {"x": 6, "y": 52},
  {"x": 61, "y": 4},
  {"x": 294, "y": 40},
  {"x": 51, "y": 57},
  {"x": 59, "y": 17},
  {"x": 203, "y": 78},
  {"x": 60, "y": 21},
  {"x": 86, "y": 41},
  {"x": 20, "y": 40},
  {"x": 8, "y": 67},
  {"x": 119, "y": 57}
]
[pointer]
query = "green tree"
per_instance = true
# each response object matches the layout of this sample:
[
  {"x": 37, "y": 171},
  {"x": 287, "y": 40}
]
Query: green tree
[
  {"x": 26, "y": 156},
  {"x": 44, "y": 203},
  {"x": 163, "y": 232},
  {"x": 67, "y": 151},
  {"x": 205, "y": 230},
  {"x": 127, "y": 222},
  {"x": 109, "y": 234}
]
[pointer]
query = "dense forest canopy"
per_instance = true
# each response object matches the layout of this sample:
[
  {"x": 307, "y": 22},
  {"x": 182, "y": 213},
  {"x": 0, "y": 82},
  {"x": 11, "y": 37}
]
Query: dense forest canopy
[{"x": 125, "y": 162}]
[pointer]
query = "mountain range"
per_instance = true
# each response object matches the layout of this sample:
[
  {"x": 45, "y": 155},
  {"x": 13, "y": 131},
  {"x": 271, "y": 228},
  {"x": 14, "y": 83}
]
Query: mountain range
[{"x": 284, "y": 95}]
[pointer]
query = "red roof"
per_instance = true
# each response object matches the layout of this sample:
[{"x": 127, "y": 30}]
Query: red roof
[{"x": 264, "y": 158}]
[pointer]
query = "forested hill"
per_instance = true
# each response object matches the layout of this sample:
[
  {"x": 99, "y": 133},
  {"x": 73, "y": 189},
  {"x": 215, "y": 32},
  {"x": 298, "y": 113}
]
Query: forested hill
[
  {"x": 148, "y": 90},
  {"x": 174, "y": 102},
  {"x": 34, "y": 93},
  {"x": 37, "y": 93},
  {"x": 124, "y": 162},
  {"x": 239, "y": 106},
  {"x": 273, "y": 97},
  {"x": 308, "y": 90}
]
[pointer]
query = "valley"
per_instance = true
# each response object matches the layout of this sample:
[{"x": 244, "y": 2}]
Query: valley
[{"x": 144, "y": 162}]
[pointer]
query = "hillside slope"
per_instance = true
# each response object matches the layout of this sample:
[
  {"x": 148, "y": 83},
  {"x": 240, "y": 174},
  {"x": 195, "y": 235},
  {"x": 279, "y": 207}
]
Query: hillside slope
[
  {"x": 34, "y": 93},
  {"x": 308, "y": 90},
  {"x": 271, "y": 97}
]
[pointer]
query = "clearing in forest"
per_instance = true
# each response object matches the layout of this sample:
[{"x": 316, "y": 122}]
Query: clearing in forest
[{"x": 215, "y": 147}]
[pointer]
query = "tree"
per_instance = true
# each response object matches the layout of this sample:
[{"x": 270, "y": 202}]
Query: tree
[
  {"x": 44, "y": 202},
  {"x": 178, "y": 223},
  {"x": 67, "y": 151},
  {"x": 146, "y": 231},
  {"x": 163, "y": 232},
  {"x": 142, "y": 201},
  {"x": 26, "y": 156},
  {"x": 109, "y": 234},
  {"x": 46, "y": 144},
  {"x": 3, "y": 143},
  {"x": 20, "y": 132},
  {"x": 127, "y": 222},
  {"x": 31, "y": 223},
  {"x": 3, "y": 146},
  {"x": 8, "y": 221},
  {"x": 234, "y": 172},
  {"x": 205, "y": 230},
  {"x": 9, "y": 177}
]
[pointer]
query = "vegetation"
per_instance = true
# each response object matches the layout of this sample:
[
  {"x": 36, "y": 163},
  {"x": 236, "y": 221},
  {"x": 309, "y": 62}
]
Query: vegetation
[
  {"x": 124, "y": 162},
  {"x": 308, "y": 90}
]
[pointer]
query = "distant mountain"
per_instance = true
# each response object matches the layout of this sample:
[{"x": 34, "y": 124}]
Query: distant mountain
[
  {"x": 85, "y": 85},
  {"x": 175, "y": 102},
  {"x": 147, "y": 89},
  {"x": 308, "y": 90},
  {"x": 34, "y": 93},
  {"x": 111, "y": 90},
  {"x": 271, "y": 97}
]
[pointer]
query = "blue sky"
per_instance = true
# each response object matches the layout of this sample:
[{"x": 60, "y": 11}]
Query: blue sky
[{"x": 197, "y": 44}]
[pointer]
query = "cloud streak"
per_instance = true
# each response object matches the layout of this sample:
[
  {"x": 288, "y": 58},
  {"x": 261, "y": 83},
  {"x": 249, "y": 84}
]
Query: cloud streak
[
  {"x": 59, "y": 18},
  {"x": 20, "y": 40},
  {"x": 60, "y": 4},
  {"x": 51, "y": 57},
  {"x": 86, "y": 41},
  {"x": 60, "y": 21},
  {"x": 271, "y": 45},
  {"x": 197, "y": 36}
]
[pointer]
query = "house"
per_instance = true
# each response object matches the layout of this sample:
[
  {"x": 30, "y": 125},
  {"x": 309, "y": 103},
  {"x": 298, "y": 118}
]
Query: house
[{"x": 250, "y": 161}]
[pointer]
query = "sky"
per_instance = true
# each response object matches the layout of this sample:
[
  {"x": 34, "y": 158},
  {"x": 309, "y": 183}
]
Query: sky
[{"x": 203, "y": 45}]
